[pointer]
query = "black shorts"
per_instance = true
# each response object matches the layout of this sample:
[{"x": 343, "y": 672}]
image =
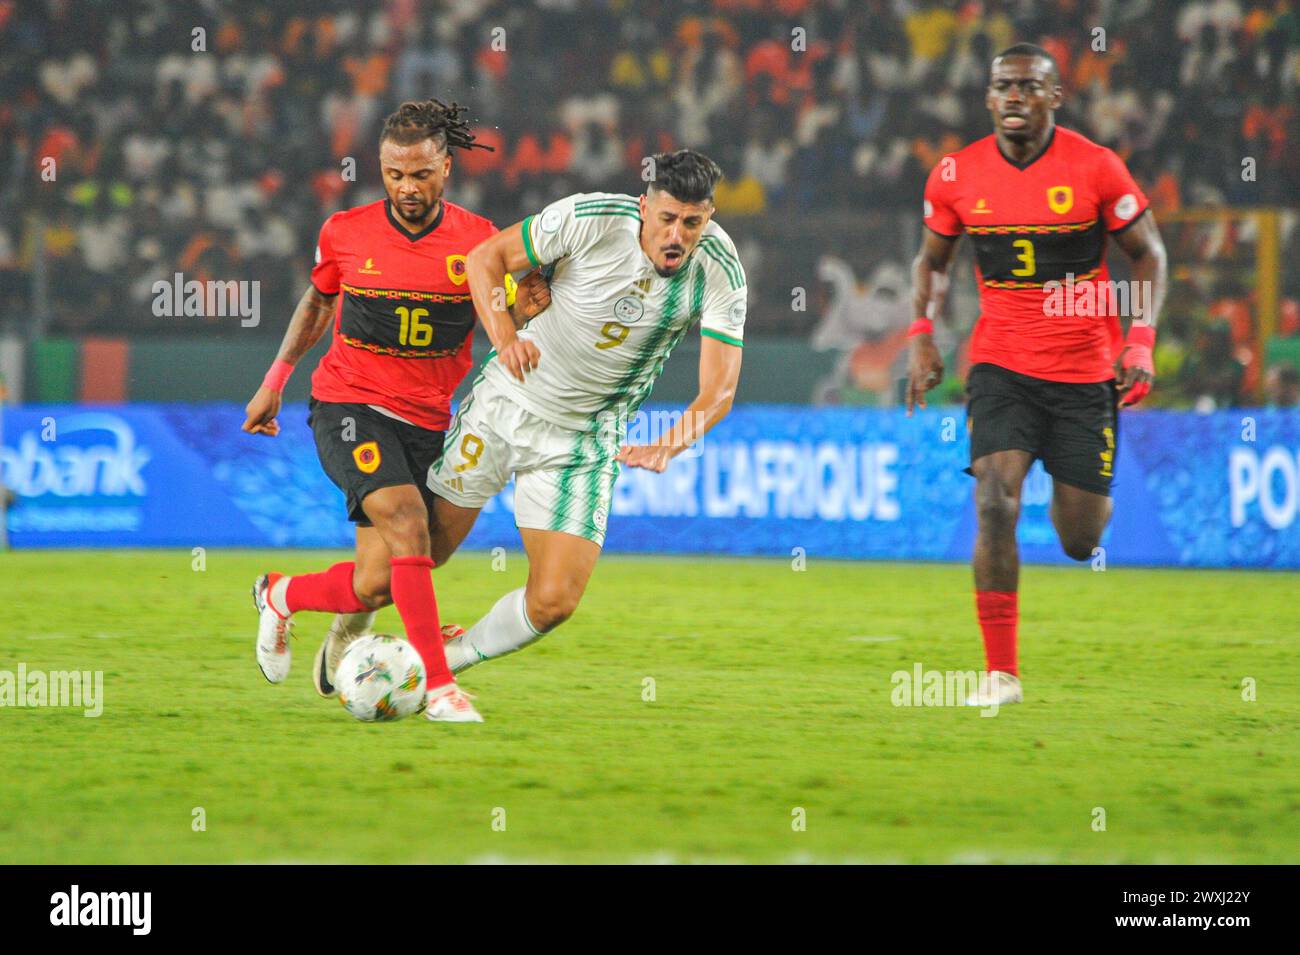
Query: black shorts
[
  {"x": 363, "y": 450},
  {"x": 1073, "y": 428}
]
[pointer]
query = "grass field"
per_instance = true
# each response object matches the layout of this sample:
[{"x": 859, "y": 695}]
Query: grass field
[{"x": 772, "y": 693}]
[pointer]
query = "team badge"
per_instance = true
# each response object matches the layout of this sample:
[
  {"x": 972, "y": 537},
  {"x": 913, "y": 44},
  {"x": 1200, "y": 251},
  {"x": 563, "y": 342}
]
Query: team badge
[
  {"x": 366, "y": 457},
  {"x": 600, "y": 517},
  {"x": 456, "y": 269},
  {"x": 1061, "y": 199},
  {"x": 628, "y": 309}
]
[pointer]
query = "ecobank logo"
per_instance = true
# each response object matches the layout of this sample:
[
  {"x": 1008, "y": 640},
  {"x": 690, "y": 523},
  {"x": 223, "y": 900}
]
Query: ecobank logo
[
  {"x": 103, "y": 908},
  {"x": 68, "y": 457}
]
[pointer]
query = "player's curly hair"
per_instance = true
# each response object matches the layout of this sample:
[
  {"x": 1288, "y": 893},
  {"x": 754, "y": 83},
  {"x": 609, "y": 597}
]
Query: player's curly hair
[{"x": 414, "y": 122}]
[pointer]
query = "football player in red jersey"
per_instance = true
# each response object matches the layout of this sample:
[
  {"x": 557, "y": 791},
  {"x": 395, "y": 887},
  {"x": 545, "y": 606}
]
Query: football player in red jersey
[
  {"x": 390, "y": 279},
  {"x": 1049, "y": 365}
]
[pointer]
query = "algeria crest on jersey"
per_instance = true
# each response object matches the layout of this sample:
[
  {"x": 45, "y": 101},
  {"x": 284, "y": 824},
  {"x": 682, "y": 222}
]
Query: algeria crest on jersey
[{"x": 628, "y": 309}]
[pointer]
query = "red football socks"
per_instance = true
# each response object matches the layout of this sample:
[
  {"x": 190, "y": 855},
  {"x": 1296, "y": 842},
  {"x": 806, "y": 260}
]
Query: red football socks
[
  {"x": 412, "y": 588},
  {"x": 330, "y": 591},
  {"x": 998, "y": 614}
]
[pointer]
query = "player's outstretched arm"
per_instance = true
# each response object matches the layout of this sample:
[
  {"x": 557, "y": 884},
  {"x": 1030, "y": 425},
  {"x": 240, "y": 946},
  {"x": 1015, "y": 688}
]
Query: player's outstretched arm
[
  {"x": 310, "y": 319},
  {"x": 929, "y": 292},
  {"x": 1141, "y": 242},
  {"x": 485, "y": 265},
  {"x": 719, "y": 375}
]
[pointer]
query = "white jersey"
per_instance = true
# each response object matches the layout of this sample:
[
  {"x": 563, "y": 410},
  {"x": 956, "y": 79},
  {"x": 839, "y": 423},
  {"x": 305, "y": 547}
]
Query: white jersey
[{"x": 613, "y": 320}]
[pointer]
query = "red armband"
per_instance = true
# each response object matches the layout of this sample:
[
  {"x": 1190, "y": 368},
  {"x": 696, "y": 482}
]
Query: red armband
[
  {"x": 922, "y": 326},
  {"x": 278, "y": 375}
]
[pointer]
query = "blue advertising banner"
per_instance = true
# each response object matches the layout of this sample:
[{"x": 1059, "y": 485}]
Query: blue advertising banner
[{"x": 1219, "y": 490}]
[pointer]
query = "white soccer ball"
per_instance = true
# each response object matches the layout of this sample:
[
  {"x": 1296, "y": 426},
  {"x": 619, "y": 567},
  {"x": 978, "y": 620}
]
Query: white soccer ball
[{"x": 381, "y": 678}]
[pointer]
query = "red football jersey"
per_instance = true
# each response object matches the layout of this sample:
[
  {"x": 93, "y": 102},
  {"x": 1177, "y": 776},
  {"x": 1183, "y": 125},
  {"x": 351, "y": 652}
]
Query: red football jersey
[
  {"x": 1039, "y": 222},
  {"x": 405, "y": 319}
]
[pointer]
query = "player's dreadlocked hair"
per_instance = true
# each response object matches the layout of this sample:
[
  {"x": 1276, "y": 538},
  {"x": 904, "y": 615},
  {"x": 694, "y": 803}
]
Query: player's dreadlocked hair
[
  {"x": 1031, "y": 50},
  {"x": 431, "y": 119},
  {"x": 686, "y": 175}
]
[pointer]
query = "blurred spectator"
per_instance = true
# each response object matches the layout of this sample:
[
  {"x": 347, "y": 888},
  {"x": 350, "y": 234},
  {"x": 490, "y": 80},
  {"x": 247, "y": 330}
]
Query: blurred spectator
[
  {"x": 1211, "y": 376},
  {"x": 227, "y": 156},
  {"x": 1282, "y": 387}
]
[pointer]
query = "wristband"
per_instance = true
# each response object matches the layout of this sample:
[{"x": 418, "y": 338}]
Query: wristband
[
  {"x": 278, "y": 375},
  {"x": 1142, "y": 336},
  {"x": 922, "y": 326}
]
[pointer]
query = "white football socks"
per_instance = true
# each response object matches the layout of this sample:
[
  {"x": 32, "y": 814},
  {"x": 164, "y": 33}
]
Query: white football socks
[
  {"x": 505, "y": 629},
  {"x": 275, "y": 597},
  {"x": 353, "y": 624}
]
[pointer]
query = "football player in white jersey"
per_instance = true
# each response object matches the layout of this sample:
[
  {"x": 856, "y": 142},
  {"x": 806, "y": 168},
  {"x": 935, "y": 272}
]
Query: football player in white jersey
[{"x": 552, "y": 404}]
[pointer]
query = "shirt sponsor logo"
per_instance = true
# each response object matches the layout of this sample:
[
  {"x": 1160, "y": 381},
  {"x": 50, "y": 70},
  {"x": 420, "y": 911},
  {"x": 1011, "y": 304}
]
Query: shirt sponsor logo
[
  {"x": 369, "y": 268},
  {"x": 981, "y": 208}
]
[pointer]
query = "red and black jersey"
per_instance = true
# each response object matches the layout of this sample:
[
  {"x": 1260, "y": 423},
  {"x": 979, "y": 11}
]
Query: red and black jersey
[
  {"x": 1033, "y": 223},
  {"x": 405, "y": 319}
]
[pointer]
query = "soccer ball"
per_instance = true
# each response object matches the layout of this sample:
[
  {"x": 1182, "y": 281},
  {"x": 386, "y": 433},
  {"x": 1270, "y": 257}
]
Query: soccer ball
[{"x": 381, "y": 678}]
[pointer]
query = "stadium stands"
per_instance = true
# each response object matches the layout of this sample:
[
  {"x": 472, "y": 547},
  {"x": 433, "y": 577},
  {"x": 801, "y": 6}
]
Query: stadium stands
[{"x": 213, "y": 139}]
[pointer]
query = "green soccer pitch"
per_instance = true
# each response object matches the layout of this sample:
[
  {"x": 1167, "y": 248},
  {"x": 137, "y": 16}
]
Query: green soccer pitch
[{"x": 771, "y": 735}]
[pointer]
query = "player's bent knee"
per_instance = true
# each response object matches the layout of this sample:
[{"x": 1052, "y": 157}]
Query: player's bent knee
[
  {"x": 373, "y": 591},
  {"x": 440, "y": 552},
  {"x": 375, "y": 599},
  {"x": 549, "y": 607},
  {"x": 1080, "y": 548}
]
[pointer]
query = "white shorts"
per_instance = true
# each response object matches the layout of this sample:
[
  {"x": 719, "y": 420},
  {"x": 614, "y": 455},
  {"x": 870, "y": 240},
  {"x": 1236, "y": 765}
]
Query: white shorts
[{"x": 564, "y": 479}]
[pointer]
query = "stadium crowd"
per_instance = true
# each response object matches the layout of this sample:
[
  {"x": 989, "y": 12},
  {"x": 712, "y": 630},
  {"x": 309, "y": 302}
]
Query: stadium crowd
[{"x": 213, "y": 138}]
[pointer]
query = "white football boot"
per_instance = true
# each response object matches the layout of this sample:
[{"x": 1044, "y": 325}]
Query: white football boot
[
  {"x": 451, "y": 704},
  {"x": 997, "y": 687},
  {"x": 274, "y": 655},
  {"x": 331, "y": 651}
]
